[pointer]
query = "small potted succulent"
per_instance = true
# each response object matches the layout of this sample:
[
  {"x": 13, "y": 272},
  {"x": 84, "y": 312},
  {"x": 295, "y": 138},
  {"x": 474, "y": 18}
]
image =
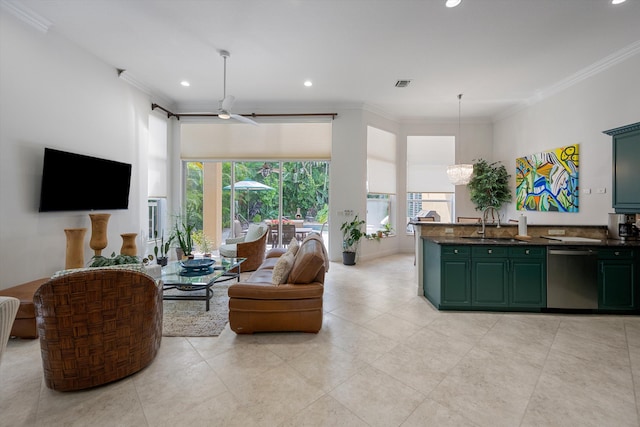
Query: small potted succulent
[
  {"x": 162, "y": 250},
  {"x": 102, "y": 261},
  {"x": 388, "y": 229}
]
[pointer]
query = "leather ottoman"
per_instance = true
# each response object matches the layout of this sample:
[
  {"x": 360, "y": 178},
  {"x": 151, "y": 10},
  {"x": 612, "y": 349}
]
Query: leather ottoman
[{"x": 25, "y": 324}]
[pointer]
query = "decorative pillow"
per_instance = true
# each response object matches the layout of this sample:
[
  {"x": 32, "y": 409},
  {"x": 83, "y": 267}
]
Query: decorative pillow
[
  {"x": 281, "y": 269},
  {"x": 293, "y": 247},
  {"x": 254, "y": 232}
]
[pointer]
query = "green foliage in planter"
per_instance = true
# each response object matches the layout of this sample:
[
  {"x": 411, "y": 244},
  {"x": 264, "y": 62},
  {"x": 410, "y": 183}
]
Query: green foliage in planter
[
  {"x": 102, "y": 261},
  {"x": 161, "y": 250},
  {"x": 182, "y": 232},
  {"x": 489, "y": 185},
  {"x": 351, "y": 234}
]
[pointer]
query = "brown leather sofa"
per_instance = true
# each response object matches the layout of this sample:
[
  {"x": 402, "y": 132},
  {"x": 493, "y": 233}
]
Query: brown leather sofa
[{"x": 257, "y": 305}]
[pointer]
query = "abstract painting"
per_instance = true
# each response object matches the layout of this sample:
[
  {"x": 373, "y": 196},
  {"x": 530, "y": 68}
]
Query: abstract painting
[{"x": 548, "y": 181}]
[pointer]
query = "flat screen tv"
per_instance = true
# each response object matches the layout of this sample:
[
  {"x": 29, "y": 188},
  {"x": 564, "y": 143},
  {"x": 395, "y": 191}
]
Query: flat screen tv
[{"x": 74, "y": 182}]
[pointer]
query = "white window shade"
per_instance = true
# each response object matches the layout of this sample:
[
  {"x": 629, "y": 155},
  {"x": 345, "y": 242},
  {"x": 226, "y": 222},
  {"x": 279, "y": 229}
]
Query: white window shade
[
  {"x": 427, "y": 161},
  {"x": 381, "y": 161},
  {"x": 157, "y": 158},
  {"x": 295, "y": 141}
]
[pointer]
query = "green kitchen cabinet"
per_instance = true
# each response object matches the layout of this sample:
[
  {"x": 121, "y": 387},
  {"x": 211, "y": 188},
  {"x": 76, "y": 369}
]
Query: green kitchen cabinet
[
  {"x": 484, "y": 277},
  {"x": 456, "y": 280},
  {"x": 626, "y": 173},
  {"x": 617, "y": 279},
  {"x": 446, "y": 275},
  {"x": 527, "y": 277},
  {"x": 489, "y": 277}
]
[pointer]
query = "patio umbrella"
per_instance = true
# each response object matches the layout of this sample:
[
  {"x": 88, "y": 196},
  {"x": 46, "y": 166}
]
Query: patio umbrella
[{"x": 249, "y": 186}]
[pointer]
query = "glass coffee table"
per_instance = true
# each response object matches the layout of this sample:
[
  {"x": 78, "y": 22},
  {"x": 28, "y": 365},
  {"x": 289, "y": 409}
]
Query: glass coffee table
[{"x": 190, "y": 281}]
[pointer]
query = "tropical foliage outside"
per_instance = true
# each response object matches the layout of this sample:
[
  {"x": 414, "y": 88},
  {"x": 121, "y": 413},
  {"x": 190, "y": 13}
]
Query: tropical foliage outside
[{"x": 305, "y": 186}]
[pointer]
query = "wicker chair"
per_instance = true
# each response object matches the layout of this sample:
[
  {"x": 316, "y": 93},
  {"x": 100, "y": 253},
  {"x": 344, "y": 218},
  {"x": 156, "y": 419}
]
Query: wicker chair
[
  {"x": 97, "y": 326},
  {"x": 249, "y": 246}
]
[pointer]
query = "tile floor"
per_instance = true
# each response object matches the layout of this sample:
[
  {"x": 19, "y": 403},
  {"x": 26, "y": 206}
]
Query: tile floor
[{"x": 384, "y": 357}]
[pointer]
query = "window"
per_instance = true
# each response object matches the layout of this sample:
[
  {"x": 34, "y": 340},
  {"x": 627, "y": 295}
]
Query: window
[
  {"x": 428, "y": 187},
  {"x": 157, "y": 211},
  {"x": 440, "y": 204},
  {"x": 381, "y": 178}
]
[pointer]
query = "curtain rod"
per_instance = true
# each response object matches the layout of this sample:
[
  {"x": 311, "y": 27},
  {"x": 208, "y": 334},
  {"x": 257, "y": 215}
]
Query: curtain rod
[{"x": 178, "y": 115}]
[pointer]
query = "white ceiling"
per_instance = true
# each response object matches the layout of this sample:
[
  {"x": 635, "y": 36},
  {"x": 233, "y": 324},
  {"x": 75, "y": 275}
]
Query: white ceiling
[{"x": 500, "y": 53}]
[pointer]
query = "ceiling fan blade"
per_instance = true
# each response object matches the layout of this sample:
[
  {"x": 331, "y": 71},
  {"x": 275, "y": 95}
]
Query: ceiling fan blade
[
  {"x": 227, "y": 102},
  {"x": 243, "y": 119}
]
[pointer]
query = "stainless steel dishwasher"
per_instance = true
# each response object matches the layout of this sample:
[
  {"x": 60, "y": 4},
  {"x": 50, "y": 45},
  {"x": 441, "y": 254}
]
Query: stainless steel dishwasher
[{"x": 572, "y": 277}]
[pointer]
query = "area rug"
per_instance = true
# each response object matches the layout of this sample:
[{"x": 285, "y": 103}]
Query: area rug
[{"x": 189, "y": 318}]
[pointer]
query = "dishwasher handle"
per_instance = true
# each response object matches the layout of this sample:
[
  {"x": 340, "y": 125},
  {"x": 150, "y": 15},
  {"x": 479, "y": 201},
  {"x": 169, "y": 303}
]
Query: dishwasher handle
[{"x": 572, "y": 252}]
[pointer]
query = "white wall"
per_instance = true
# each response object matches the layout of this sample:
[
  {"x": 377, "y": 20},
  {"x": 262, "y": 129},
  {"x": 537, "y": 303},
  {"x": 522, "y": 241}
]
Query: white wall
[
  {"x": 54, "y": 94},
  {"x": 577, "y": 115},
  {"x": 476, "y": 142}
]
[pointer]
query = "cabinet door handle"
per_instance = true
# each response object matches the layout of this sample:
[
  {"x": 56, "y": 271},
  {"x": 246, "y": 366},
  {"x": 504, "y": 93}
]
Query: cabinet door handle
[
  {"x": 455, "y": 251},
  {"x": 489, "y": 251},
  {"x": 526, "y": 251},
  {"x": 616, "y": 253}
]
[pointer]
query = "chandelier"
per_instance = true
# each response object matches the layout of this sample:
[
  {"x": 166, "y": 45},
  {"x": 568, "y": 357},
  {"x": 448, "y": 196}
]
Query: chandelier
[{"x": 459, "y": 174}]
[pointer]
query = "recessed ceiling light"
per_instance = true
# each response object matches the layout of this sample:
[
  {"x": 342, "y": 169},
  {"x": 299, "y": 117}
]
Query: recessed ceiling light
[
  {"x": 617, "y": 1},
  {"x": 308, "y": 83},
  {"x": 185, "y": 83},
  {"x": 452, "y": 3}
]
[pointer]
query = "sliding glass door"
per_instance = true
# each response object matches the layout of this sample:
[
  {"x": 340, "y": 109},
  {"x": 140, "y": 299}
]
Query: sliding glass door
[{"x": 274, "y": 192}]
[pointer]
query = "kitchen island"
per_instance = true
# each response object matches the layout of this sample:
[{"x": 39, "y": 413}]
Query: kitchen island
[{"x": 460, "y": 270}]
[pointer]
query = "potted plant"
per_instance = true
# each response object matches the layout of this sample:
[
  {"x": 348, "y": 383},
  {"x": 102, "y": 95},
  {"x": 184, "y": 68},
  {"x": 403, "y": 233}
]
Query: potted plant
[
  {"x": 182, "y": 232},
  {"x": 203, "y": 242},
  {"x": 489, "y": 185},
  {"x": 351, "y": 235},
  {"x": 162, "y": 250},
  {"x": 102, "y": 261},
  {"x": 388, "y": 229}
]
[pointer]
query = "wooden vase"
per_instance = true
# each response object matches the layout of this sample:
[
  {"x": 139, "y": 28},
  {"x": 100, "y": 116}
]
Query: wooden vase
[
  {"x": 99, "y": 232},
  {"x": 75, "y": 247},
  {"x": 129, "y": 244}
]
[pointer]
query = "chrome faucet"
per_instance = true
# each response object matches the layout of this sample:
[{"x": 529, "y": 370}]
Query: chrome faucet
[{"x": 484, "y": 217}]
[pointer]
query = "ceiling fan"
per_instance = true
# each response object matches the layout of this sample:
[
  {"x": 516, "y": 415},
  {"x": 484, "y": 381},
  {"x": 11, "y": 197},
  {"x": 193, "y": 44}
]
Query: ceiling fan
[
  {"x": 227, "y": 101},
  {"x": 266, "y": 170}
]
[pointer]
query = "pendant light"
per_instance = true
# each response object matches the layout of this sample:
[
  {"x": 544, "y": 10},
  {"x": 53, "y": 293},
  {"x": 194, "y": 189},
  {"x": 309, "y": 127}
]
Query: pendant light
[{"x": 459, "y": 174}]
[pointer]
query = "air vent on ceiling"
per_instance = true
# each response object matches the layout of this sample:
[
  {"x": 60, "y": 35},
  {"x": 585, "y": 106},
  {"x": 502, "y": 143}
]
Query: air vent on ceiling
[{"x": 403, "y": 83}]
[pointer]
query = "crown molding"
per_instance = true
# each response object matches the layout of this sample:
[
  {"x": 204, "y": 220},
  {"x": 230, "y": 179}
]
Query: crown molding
[
  {"x": 584, "y": 74},
  {"x": 623, "y": 129},
  {"x": 156, "y": 97},
  {"x": 26, "y": 15}
]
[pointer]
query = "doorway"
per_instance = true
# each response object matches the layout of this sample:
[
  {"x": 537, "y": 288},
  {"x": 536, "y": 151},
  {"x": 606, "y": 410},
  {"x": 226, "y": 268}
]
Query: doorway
[{"x": 275, "y": 192}]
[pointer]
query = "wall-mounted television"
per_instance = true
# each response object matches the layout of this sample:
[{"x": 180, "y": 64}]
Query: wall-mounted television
[{"x": 75, "y": 182}]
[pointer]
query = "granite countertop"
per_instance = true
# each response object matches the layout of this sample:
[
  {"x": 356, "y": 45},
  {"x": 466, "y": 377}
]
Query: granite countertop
[{"x": 534, "y": 241}]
